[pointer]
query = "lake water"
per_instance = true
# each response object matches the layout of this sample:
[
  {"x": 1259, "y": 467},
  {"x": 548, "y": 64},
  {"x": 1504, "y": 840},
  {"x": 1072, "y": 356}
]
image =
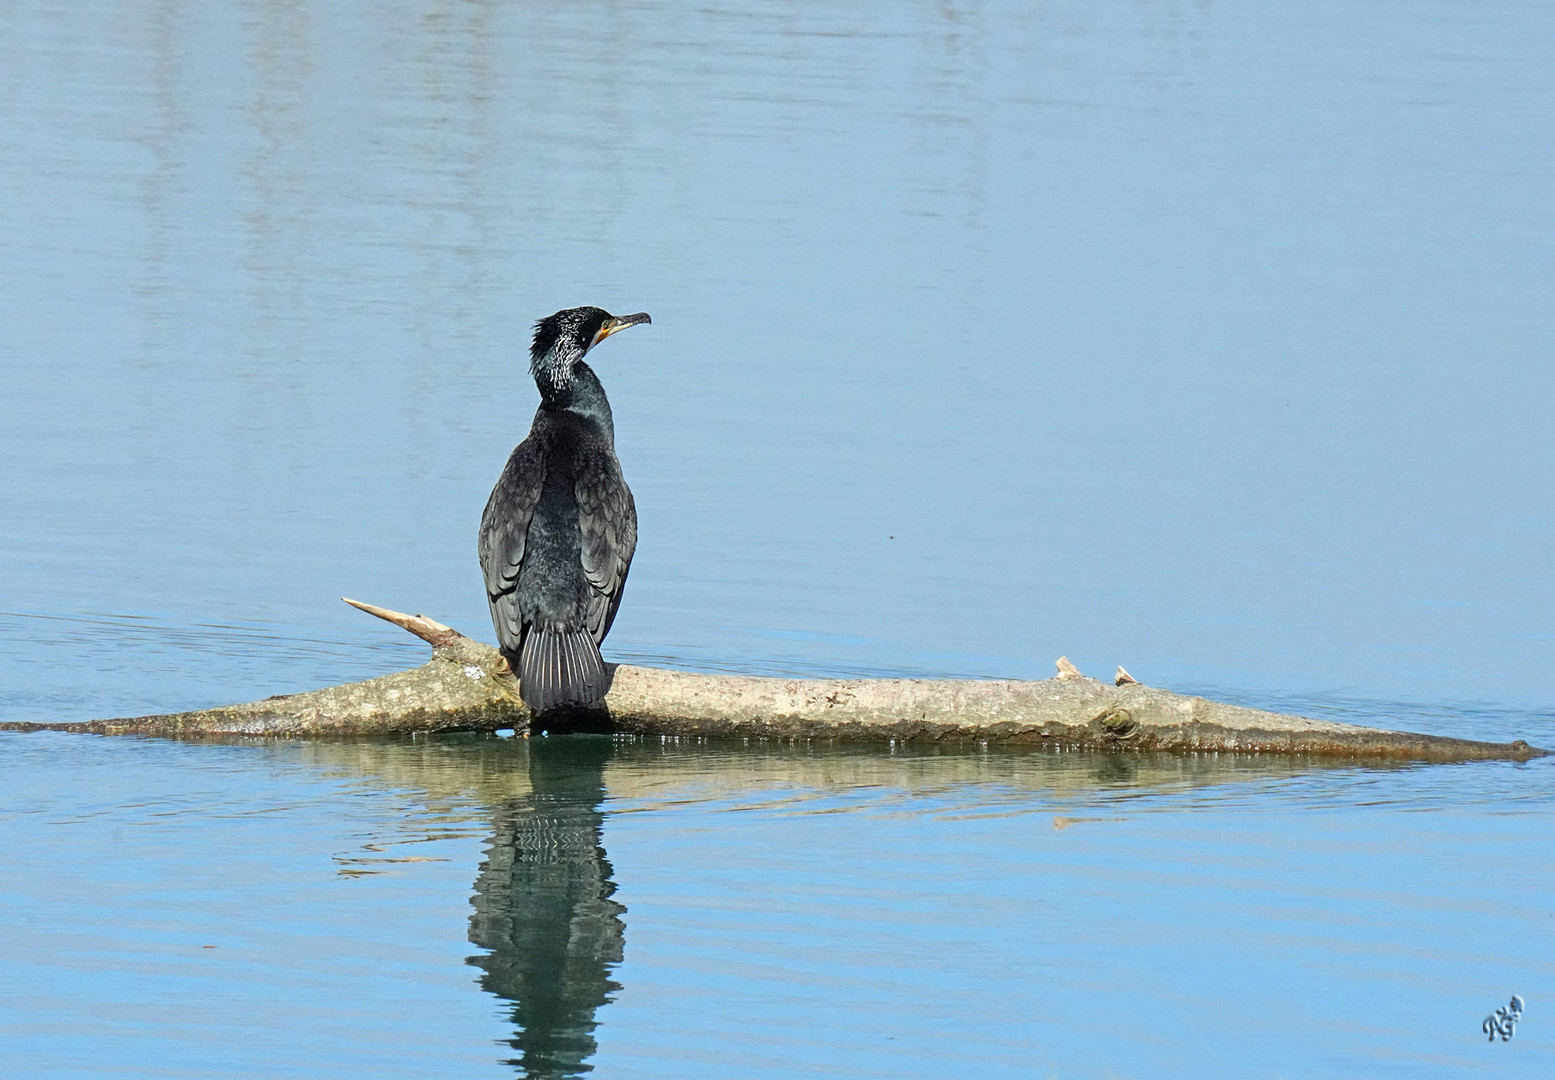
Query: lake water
[
  {"x": 670, "y": 910},
  {"x": 1207, "y": 340}
]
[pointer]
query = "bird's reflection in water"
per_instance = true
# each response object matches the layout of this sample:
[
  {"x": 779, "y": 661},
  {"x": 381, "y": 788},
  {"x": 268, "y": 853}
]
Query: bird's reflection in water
[{"x": 544, "y": 911}]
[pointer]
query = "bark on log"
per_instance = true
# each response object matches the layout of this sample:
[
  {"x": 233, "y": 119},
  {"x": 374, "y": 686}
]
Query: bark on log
[{"x": 466, "y": 686}]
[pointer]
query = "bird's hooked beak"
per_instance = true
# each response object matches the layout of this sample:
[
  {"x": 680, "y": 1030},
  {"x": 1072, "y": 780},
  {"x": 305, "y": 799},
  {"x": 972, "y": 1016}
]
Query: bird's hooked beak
[{"x": 618, "y": 322}]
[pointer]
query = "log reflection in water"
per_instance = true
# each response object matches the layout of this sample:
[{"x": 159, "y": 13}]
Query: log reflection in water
[{"x": 544, "y": 912}]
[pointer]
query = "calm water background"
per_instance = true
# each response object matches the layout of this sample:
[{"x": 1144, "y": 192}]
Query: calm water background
[{"x": 1211, "y": 340}]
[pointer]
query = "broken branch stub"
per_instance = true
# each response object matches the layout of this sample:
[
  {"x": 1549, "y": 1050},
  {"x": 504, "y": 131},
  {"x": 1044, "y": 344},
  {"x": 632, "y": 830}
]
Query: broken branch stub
[{"x": 431, "y": 631}]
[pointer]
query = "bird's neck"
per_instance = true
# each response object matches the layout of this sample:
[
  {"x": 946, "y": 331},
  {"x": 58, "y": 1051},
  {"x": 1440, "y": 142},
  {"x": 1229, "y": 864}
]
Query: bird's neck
[{"x": 582, "y": 395}]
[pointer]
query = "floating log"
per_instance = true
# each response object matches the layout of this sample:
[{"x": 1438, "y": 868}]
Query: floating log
[{"x": 467, "y": 686}]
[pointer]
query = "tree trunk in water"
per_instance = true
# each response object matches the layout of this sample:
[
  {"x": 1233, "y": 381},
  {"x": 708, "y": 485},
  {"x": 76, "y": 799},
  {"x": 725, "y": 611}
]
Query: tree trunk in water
[{"x": 466, "y": 686}]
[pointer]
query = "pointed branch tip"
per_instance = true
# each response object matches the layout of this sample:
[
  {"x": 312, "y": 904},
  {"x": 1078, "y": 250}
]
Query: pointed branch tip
[{"x": 431, "y": 631}]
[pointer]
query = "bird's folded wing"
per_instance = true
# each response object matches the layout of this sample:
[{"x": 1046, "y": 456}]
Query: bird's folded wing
[
  {"x": 607, "y": 518},
  {"x": 505, "y": 524}
]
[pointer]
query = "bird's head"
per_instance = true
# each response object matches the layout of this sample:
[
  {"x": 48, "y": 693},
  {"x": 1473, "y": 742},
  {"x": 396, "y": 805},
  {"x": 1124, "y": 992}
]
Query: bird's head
[{"x": 561, "y": 340}]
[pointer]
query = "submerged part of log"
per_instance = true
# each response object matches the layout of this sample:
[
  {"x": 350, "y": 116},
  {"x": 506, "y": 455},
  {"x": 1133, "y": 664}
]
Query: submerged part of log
[{"x": 467, "y": 686}]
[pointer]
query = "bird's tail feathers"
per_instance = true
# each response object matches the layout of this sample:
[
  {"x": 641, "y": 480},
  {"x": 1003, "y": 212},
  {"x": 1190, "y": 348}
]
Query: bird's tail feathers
[{"x": 561, "y": 669}]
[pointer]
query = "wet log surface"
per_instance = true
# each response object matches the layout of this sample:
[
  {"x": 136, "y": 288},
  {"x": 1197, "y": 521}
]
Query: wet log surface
[{"x": 466, "y": 687}]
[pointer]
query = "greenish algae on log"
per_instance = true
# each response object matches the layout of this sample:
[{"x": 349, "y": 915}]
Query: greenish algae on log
[{"x": 466, "y": 686}]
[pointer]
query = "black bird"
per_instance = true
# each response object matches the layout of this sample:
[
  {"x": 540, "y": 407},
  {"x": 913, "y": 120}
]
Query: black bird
[{"x": 560, "y": 527}]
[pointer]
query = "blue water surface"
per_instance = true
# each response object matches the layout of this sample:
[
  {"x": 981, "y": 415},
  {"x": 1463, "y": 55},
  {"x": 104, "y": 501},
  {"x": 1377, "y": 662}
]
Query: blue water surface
[{"x": 663, "y": 909}]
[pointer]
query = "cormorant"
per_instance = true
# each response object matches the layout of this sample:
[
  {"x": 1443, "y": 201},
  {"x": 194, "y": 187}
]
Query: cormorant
[{"x": 560, "y": 527}]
